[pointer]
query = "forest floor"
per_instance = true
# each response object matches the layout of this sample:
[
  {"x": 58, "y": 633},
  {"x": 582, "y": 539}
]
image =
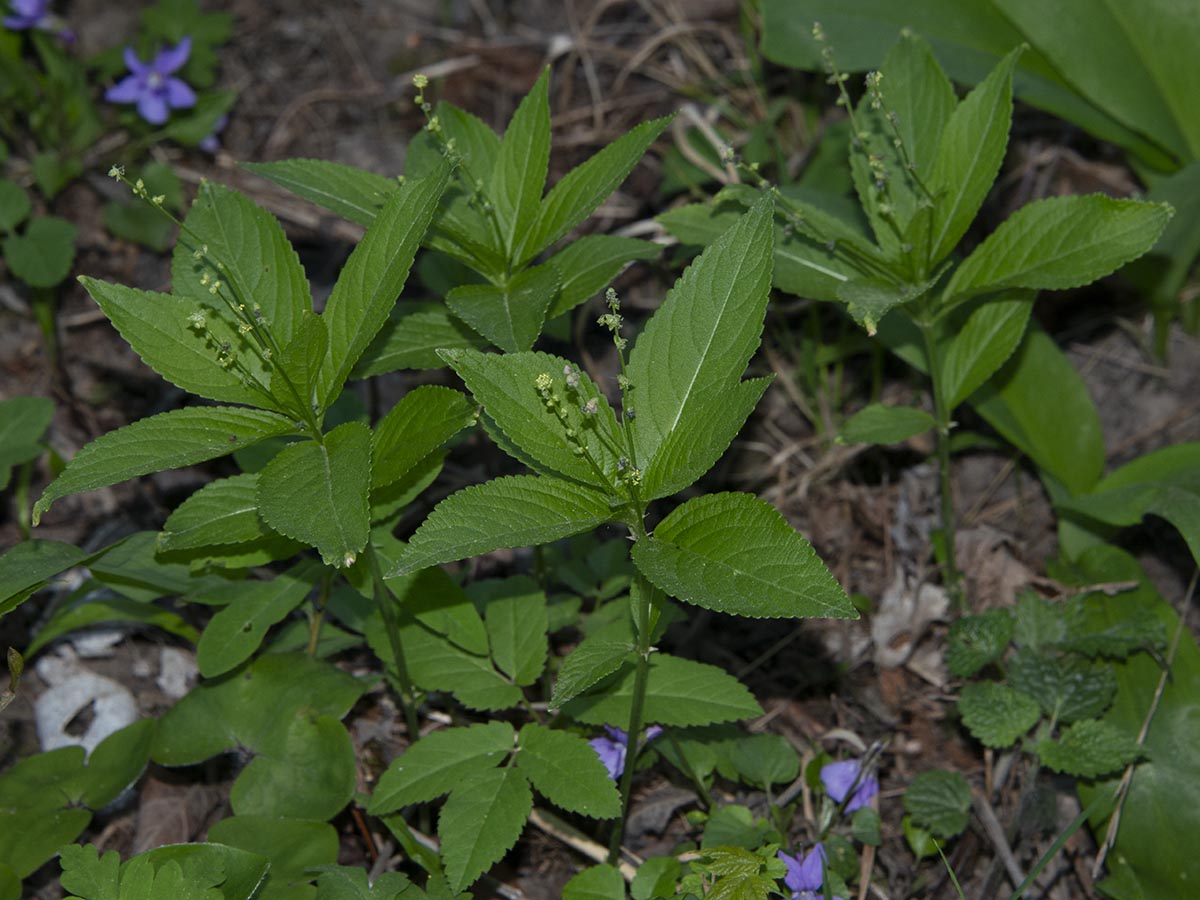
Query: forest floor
[{"x": 333, "y": 81}]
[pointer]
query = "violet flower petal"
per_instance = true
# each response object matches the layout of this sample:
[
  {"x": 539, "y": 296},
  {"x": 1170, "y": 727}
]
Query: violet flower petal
[
  {"x": 178, "y": 94},
  {"x": 152, "y": 107},
  {"x": 127, "y": 90},
  {"x": 840, "y": 777},
  {"x": 174, "y": 58},
  {"x": 611, "y": 753},
  {"x": 133, "y": 64}
]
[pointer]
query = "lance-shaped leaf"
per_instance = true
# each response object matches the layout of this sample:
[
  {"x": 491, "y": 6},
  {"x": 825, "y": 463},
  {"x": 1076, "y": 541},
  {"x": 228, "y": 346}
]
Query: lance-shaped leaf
[
  {"x": 438, "y": 763},
  {"x": 296, "y": 372},
  {"x": 374, "y": 276},
  {"x": 516, "y": 626},
  {"x": 680, "y": 692},
  {"x": 28, "y": 565},
  {"x": 880, "y": 424},
  {"x": 353, "y": 194},
  {"x": 509, "y": 315},
  {"x": 472, "y": 137},
  {"x": 317, "y": 493},
  {"x": 567, "y": 771},
  {"x": 514, "y": 511},
  {"x": 224, "y": 511},
  {"x": 990, "y": 335},
  {"x": 481, "y": 821},
  {"x": 158, "y": 328},
  {"x": 586, "y": 186},
  {"x": 506, "y": 386},
  {"x": 969, "y": 157},
  {"x": 243, "y": 246},
  {"x": 589, "y": 663},
  {"x": 1058, "y": 243},
  {"x": 698, "y": 343},
  {"x": 182, "y": 437},
  {"x": 519, "y": 172},
  {"x": 737, "y": 554},
  {"x": 586, "y": 267},
  {"x": 415, "y": 427},
  {"x": 411, "y": 337},
  {"x": 237, "y": 630}
]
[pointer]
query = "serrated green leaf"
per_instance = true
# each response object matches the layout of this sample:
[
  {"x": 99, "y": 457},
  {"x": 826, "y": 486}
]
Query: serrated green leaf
[
  {"x": 865, "y": 826},
  {"x": 244, "y": 872},
  {"x": 586, "y": 266},
  {"x": 1058, "y": 243},
  {"x": 506, "y": 388},
  {"x": 586, "y": 186},
  {"x": 996, "y": 714},
  {"x": 88, "y": 874},
  {"x": 237, "y": 630},
  {"x": 436, "y": 601},
  {"x": 1088, "y": 749},
  {"x": 158, "y": 328},
  {"x": 990, "y": 335},
  {"x": 182, "y": 437},
  {"x": 680, "y": 692},
  {"x": 565, "y": 769},
  {"x": 976, "y": 641},
  {"x": 1039, "y": 623},
  {"x": 29, "y": 564},
  {"x": 513, "y": 511},
  {"x": 224, "y": 511},
  {"x": 317, "y": 493},
  {"x": 14, "y": 205},
  {"x": 519, "y": 169},
  {"x": 939, "y": 801},
  {"x": 410, "y": 338},
  {"x": 23, "y": 423},
  {"x": 589, "y": 663},
  {"x": 477, "y": 143},
  {"x": 766, "y": 759},
  {"x": 869, "y": 301},
  {"x": 350, "y": 883},
  {"x": 481, "y": 821},
  {"x": 374, "y": 275},
  {"x": 734, "y": 825},
  {"x": 516, "y": 626},
  {"x": 317, "y": 749},
  {"x": 296, "y": 371},
  {"x": 43, "y": 255},
  {"x": 1091, "y": 631},
  {"x": 880, "y": 424},
  {"x": 414, "y": 428},
  {"x": 1067, "y": 689},
  {"x": 696, "y": 346},
  {"x": 602, "y": 882},
  {"x": 354, "y": 194},
  {"x": 508, "y": 315},
  {"x": 737, "y": 554},
  {"x": 246, "y": 250},
  {"x": 969, "y": 157},
  {"x": 438, "y": 763}
]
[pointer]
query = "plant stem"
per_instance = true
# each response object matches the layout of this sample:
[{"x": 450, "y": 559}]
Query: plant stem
[
  {"x": 941, "y": 413},
  {"x": 318, "y": 616},
  {"x": 644, "y": 597},
  {"x": 387, "y": 610}
]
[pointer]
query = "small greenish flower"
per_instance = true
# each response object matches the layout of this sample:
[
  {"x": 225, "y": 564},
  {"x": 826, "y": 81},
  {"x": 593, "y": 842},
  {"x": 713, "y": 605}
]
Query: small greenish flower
[{"x": 543, "y": 382}]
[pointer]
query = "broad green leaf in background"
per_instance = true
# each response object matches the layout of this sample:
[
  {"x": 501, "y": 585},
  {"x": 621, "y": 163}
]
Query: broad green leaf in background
[
  {"x": 692, "y": 353},
  {"x": 257, "y": 263},
  {"x": 969, "y": 157},
  {"x": 513, "y": 511},
  {"x": 975, "y": 641},
  {"x": 42, "y": 256},
  {"x": 224, "y": 511},
  {"x": 158, "y": 328},
  {"x": 519, "y": 170},
  {"x": 481, "y": 821},
  {"x": 350, "y": 883},
  {"x": 603, "y": 882},
  {"x": 587, "y": 664},
  {"x": 509, "y": 315},
  {"x": 989, "y": 336},
  {"x": 30, "y": 564},
  {"x": 587, "y": 266},
  {"x": 1058, "y": 243},
  {"x": 23, "y": 422},
  {"x": 317, "y": 493},
  {"x": 435, "y": 600},
  {"x": 680, "y": 692},
  {"x": 565, "y": 769},
  {"x": 14, "y": 205},
  {"x": 294, "y": 846},
  {"x": 939, "y": 801},
  {"x": 766, "y": 759},
  {"x": 105, "y": 607},
  {"x": 244, "y": 872},
  {"x": 1088, "y": 749},
  {"x": 1059, "y": 431},
  {"x": 585, "y": 187},
  {"x": 439, "y": 762},
  {"x": 411, "y": 337},
  {"x": 473, "y": 139},
  {"x": 880, "y": 424},
  {"x": 354, "y": 194},
  {"x": 415, "y": 427},
  {"x": 737, "y": 554},
  {"x": 516, "y": 626},
  {"x": 374, "y": 275},
  {"x": 506, "y": 387},
  {"x": 996, "y": 714},
  {"x": 182, "y": 437}
]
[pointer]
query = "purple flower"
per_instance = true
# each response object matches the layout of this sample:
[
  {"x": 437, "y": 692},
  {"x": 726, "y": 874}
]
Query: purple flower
[
  {"x": 806, "y": 876},
  {"x": 212, "y": 142},
  {"x": 151, "y": 86},
  {"x": 840, "y": 778},
  {"x": 30, "y": 14},
  {"x": 612, "y": 749}
]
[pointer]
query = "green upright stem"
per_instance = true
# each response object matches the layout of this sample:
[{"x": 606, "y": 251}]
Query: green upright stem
[
  {"x": 941, "y": 413},
  {"x": 391, "y": 625},
  {"x": 318, "y": 616}
]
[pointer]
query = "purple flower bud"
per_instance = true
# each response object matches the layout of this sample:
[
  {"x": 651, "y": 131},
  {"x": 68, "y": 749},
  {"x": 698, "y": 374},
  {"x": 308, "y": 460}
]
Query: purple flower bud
[
  {"x": 612, "y": 749},
  {"x": 840, "y": 778},
  {"x": 152, "y": 86}
]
